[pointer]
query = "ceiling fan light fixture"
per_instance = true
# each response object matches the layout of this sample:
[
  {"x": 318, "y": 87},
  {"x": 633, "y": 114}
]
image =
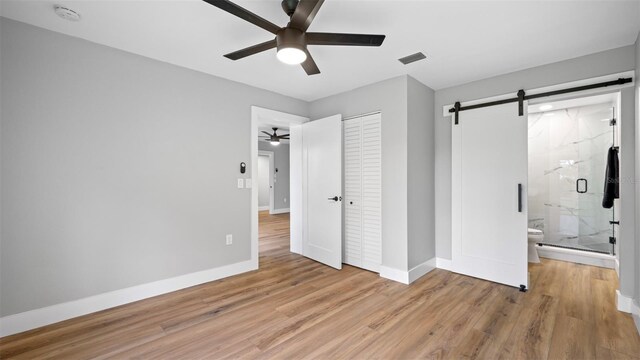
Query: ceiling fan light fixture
[
  {"x": 275, "y": 142},
  {"x": 291, "y": 46},
  {"x": 291, "y": 56}
]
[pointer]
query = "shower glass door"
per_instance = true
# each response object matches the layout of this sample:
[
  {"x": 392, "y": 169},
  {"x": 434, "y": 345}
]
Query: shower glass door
[{"x": 567, "y": 161}]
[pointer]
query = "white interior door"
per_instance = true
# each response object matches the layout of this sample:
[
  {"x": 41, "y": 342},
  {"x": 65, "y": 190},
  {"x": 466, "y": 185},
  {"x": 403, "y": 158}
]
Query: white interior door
[
  {"x": 321, "y": 166},
  {"x": 489, "y": 216}
]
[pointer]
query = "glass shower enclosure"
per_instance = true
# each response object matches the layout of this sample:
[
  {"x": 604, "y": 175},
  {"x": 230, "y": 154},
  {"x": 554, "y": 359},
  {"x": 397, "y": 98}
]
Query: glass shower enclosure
[{"x": 567, "y": 162}]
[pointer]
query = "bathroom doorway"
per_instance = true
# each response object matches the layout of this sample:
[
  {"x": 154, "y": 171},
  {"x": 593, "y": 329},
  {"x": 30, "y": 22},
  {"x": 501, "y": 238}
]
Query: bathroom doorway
[{"x": 570, "y": 144}]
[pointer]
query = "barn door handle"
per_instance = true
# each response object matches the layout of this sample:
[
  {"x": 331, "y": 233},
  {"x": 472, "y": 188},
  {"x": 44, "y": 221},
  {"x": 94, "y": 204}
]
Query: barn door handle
[
  {"x": 519, "y": 197},
  {"x": 586, "y": 185}
]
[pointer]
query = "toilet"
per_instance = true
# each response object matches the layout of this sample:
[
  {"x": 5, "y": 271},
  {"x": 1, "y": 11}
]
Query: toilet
[{"x": 534, "y": 236}]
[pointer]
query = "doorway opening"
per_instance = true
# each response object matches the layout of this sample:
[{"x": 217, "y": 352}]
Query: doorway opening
[
  {"x": 273, "y": 194},
  {"x": 271, "y": 224},
  {"x": 573, "y": 153}
]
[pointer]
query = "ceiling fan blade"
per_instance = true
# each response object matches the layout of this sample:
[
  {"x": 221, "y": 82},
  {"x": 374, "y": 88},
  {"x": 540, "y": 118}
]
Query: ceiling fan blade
[
  {"x": 344, "y": 39},
  {"x": 252, "y": 50},
  {"x": 264, "y": 132},
  {"x": 285, "y": 136},
  {"x": 245, "y": 14},
  {"x": 309, "y": 65},
  {"x": 304, "y": 14}
]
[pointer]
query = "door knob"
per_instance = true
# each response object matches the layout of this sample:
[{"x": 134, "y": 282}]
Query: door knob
[{"x": 336, "y": 198}]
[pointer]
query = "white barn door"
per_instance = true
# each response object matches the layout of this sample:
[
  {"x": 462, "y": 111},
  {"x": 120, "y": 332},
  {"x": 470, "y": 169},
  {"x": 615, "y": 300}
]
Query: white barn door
[{"x": 489, "y": 182}]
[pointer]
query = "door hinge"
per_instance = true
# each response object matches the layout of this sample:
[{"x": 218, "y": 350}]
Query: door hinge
[
  {"x": 523, "y": 288},
  {"x": 612, "y": 240}
]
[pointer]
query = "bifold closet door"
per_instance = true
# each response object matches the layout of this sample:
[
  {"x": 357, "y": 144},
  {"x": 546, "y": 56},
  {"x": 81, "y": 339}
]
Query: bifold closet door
[
  {"x": 489, "y": 182},
  {"x": 363, "y": 192}
]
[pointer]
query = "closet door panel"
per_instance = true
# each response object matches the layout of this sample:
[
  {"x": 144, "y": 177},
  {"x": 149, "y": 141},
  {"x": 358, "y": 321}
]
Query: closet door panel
[
  {"x": 371, "y": 192},
  {"x": 352, "y": 192},
  {"x": 363, "y": 163}
]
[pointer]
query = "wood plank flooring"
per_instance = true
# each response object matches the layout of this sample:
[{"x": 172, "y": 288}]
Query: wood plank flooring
[{"x": 296, "y": 308}]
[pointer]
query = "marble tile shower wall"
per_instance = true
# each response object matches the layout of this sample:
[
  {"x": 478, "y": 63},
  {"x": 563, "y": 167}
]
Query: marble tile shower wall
[{"x": 564, "y": 146}]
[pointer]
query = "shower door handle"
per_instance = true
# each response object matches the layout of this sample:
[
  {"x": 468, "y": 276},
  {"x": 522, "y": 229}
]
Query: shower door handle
[
  {"x": 586, "y": 186},
  {"x": 519, "y": 197}
]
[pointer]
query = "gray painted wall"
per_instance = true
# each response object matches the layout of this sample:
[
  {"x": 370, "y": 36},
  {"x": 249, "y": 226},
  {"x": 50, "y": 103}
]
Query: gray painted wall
[
  {"x": 390, "y": 98},
  {"x": 112, "y": 174},
  {"x": 637, "y": 178},
  {"x": 281, "y": 186},
  {"x": 627, "y": 229},
  {"x": 421, "y": 176},
  {"x": 604, "y": 63}
]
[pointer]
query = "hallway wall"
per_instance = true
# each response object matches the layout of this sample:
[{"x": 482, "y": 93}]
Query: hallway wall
[{"x": 282, "y": 176}]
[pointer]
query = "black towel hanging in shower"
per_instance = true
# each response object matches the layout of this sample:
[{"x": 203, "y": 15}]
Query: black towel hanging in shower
[{"x": 611, "y": 179}]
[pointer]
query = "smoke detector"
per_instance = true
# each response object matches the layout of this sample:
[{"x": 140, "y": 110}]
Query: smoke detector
[{"x": 66, "y": 13}]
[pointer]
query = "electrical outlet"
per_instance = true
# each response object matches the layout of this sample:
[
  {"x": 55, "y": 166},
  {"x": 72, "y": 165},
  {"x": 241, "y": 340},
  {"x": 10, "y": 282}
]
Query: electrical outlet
[
  {"x": 285, "y": 200},
  {"x": 240, "y": 183},
  {"x": 229, "y": 239},
  {"x": 247, "y": 183}
]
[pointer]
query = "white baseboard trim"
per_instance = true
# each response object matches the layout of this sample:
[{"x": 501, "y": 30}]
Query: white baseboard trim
[
  {"x": 444, "y": 264},
  {"x": 636, "y": 316},
  {"x": 32, "y": 319},
  {"x": 626, "y": 304},
  {"x": 394, "y": 274},
  {"x": 279, "y": 211},
  {"x": 422, "y": 269},
  {"x": 407, "y": 277},
  {"x": 263, "y": 208},
  {"x": 577, "y": 256},
  {"x": 617, "y": 267}
]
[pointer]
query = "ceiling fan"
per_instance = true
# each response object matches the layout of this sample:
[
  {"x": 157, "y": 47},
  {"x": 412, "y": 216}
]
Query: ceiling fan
[
  {"x": 274, "y": 138},
  {"x": 292, "y": 40}
]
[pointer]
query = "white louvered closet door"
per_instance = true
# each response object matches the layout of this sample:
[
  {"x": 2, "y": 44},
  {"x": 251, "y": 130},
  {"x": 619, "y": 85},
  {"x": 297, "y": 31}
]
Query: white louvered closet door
[{"x": 362, "y": 189}]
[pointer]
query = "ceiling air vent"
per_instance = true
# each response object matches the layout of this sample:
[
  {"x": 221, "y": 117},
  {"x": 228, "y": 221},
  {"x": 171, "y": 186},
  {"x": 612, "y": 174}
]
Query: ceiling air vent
[{"x": 412, "y": 58}]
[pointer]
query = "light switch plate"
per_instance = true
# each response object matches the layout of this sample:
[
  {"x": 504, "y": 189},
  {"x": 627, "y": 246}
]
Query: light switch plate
[
  {"x": 229, "y": 239},
  {"x": 240, "y": 183},
  {"x": 247, "y": 183}
]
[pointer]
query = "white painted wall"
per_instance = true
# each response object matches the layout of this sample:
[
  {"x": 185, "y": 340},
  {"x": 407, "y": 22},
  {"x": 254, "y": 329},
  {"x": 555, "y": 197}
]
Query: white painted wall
[
  {"x": 263, "y": 181},
  {"x": 599, "y": 64},
  {"x": 116, "y": 170}
]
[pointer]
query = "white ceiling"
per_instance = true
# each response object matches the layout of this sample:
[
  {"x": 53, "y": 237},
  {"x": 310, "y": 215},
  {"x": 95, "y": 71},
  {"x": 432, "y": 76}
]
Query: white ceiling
[{"x": 463, "y": 40}]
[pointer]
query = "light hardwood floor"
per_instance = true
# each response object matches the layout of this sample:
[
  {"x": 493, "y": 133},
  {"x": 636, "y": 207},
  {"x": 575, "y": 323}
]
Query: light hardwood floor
[{"x": 296, "y": 308}]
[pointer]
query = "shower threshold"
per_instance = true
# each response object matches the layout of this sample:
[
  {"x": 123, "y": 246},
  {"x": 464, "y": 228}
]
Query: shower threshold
[
  {"x": 563, "y": 253},
  {"x": 575, "y": 248}
]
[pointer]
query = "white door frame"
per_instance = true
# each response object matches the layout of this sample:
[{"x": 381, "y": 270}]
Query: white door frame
[
  {"x": 272, "y": 183},
  {"x": 260, "y": 117}
]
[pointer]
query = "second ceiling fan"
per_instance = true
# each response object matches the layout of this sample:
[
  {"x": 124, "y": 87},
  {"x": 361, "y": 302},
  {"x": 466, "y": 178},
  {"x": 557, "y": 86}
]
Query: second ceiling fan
[{"x": 291, "y": 41}]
